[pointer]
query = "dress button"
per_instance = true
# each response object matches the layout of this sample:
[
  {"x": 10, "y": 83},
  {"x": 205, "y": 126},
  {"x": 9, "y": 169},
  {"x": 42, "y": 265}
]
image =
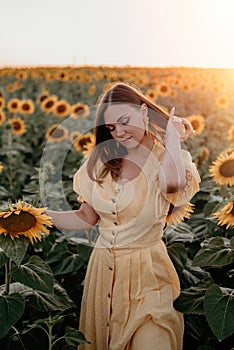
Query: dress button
[
  {"x": 113, "y": 212},
  {"x": 118, "y": 190},
  {"x": 111, "y": 242},
  {"x": 108, "y": 295},
  {"x": 115, "y": 223},
  {"x": 108, "y": 325},
  {"x": 110, "y": 268},
  {"x": 113, "y": 232},
  {"x": 113, "y": 200}
]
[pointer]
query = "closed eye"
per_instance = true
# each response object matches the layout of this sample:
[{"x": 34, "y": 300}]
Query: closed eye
[{"x": 123, "y": 121}]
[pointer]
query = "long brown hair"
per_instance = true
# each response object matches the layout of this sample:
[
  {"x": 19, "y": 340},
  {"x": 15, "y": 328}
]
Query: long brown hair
[{"x": 106, "y": 149}]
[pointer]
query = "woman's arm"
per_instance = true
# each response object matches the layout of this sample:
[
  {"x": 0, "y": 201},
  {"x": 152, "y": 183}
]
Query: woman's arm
[
  {"x": 82, "y": 219},
  {"x": 172, "y": 174}
]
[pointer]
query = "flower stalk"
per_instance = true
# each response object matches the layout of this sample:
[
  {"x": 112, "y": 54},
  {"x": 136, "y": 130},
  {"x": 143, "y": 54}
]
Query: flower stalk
[{"x": 7, "y": 276}]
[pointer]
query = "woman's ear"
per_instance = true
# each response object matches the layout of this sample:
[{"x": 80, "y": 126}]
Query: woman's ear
[{"x": 144, "y": 109}]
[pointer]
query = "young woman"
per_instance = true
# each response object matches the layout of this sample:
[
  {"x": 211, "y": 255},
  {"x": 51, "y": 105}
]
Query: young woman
[{"x": 135, "y": 171}]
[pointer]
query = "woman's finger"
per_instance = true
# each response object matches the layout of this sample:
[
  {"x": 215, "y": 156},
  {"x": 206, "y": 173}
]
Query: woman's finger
[{"x": 172, "y": 112}]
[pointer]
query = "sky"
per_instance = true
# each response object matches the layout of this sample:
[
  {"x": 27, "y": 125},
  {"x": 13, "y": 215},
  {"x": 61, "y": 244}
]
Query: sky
[{"x": 159, "y": 33}]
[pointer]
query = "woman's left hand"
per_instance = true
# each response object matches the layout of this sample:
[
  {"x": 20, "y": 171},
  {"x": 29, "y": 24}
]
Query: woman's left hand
[{"x": 181, "y": 126}]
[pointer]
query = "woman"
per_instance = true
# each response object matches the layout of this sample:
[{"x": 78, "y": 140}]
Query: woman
[{"x": 135, "y": 172}]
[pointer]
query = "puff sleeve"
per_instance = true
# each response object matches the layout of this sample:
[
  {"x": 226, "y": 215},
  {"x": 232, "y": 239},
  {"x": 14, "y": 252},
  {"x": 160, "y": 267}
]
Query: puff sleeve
[
  {"x": 83, "y": 185},
  {"x": 191, "y": 187}
]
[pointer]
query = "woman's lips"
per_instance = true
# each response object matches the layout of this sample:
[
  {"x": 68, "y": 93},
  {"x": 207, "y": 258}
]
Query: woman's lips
[{"x": 126, "y": 139}]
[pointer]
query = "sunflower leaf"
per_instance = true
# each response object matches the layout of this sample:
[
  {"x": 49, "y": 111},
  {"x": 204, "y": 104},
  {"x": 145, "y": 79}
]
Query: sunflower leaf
[
  {"x": 74, "y": 337},
  {"x": 219, "y": 309},
  {"x": 216, "y": 252},
  {"x": 14, "y": 249},
  {"x": 178, "y": 255},
  {"x": 45, "y": 302},
  {"x": 11, "y": 309},
  {"x": 190, "y": 301},
  {"x": 35, "y": 274}
]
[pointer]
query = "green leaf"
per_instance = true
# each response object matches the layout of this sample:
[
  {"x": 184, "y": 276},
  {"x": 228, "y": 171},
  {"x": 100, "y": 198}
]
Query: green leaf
[
  {"x": 178, "y": 255},
  {"x": 215, "y": 252},
  {"x": 74, "y": 337},
  {"x": 35, "y": 274},
  {"x": 45, "y": 302},
  {"x": 14, "y": 249},
  {"x": 62, "y": 297},
  {"x": 219, "y": 309},
  {"x": 190, "y": 301},
  {"x": 63, "y": 260},
  {"x": 11, "y": 309}
]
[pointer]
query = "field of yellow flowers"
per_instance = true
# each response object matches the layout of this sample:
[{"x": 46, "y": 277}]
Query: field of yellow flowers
[{"x": 46, "y": 132}]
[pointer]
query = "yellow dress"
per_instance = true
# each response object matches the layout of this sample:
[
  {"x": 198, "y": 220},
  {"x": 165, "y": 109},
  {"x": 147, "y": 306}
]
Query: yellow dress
[{"x": 131, "y": 283}]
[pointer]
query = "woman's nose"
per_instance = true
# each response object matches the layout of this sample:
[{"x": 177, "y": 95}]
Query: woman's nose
[{"x": 119, "y": 130}]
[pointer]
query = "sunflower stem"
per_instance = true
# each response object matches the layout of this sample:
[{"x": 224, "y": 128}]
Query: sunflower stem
[
  {"x": 9, "y": 155},
  {"x": 7, "y": 275}
]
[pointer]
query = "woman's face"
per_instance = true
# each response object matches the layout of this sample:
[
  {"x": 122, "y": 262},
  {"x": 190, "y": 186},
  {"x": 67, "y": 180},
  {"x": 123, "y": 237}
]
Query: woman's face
[{"x": 126, "y": 123}]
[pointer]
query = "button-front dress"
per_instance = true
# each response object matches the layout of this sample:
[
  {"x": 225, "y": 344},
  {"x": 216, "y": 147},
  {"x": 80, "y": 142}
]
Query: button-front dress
[{"x": 131, "y": 283}]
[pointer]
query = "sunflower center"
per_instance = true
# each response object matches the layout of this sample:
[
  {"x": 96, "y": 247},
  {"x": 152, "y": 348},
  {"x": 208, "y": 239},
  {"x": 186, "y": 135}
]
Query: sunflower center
[
  {"x": 227, "y": 168},
  {"x": 16, "y": 223},
  {"x": 83, "y": 142},
  {"x": 49, "y": 104},
  {"x": 78, "y": 109},
  {"x": 25, "y": 107},
  {"x": 195, "y": 124},
  {"x": 14, "y": 105},
  {"x": 16, "y": 126},
  {"x": 57, "y": 133},
  {"x": 61, "y": 109}
]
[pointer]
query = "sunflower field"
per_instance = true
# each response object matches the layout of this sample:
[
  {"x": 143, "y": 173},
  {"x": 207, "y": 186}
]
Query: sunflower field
[{"x": 46, "y": 132}]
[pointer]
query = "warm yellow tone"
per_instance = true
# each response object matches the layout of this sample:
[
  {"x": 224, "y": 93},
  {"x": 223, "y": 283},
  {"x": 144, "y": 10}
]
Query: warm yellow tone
[
  {"x": 226, "y": 215},
  {"x": 222, "y": 169},
  {"x": 24, "y": 220},
  {"x": 56, "y": 133},
  {"x": 131, "y": 282},
  {"x": 177, "y": 214}
]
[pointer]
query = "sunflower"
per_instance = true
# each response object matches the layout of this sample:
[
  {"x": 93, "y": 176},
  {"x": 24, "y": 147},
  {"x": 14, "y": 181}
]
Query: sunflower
[
  {"x": 24, "y": 220},
  {"x": 151, "y": 94},
  {"x": 21, "y": 74},
  {"x": 226, "y": 215},
  {"x": 17, "y": 85},
  {"x": 79, "y": 110},
  {"x": 74, "y": 135},
  {"x": 202, "y": 157},
  {"x": 13, "y": 105},
  {"x": 163, "y": 89},
  {"x": 2, "y": 117},
  {"x": 26, "y": 107},
  {"x": 56, "y": 133},
  {"x": 176, "y": 215},
  {"x": 61, "y": 108},
  {"x": 18, "y": 126},
  {"x": 222, "y": 169},
  {"x": 48, "y": 103},
  {"x": 92, "y": 89},
  {"x": 198, "y": 123},
  {"x": 10, "y": 88},
  {"x": 84, "y": 142},
  {"x": 231, "y": 133},
  {"x": 222, "y": 101},
  {"x": 42, "y": 96},
  {"x": 2, "y": 103}
]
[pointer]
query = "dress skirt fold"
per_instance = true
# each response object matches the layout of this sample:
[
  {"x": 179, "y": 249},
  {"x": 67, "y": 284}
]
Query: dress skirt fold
[{"x": 127, "y": 290}]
